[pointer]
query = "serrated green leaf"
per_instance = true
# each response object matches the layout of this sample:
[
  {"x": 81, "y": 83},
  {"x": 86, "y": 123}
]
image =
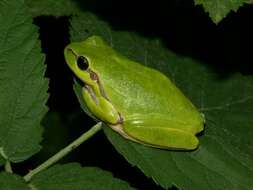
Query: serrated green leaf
[
  {"x": 1, "y": 161},
  {"x": 52, "y": 8},
  {"x": 22, "y": 83},
  {"x": 12, "y": 182},
  {"x": 55, "y": 136},
  {"x": 73, "y": 176},
  {"x": 224, "y": 158},
  {"x": 218, "y": 9}
]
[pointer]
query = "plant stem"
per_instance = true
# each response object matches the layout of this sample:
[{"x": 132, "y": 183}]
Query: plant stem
[
  {"x": 7, "y": 167},
  {"x": 64, "y": 151}
]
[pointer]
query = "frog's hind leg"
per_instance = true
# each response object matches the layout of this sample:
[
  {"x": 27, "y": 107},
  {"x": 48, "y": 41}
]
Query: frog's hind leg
[{"x": 160, "y": 136}]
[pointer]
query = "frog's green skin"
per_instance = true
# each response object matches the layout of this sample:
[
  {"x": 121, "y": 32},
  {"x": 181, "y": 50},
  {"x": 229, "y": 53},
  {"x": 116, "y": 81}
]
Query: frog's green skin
[{"x": 138, "y": 102}]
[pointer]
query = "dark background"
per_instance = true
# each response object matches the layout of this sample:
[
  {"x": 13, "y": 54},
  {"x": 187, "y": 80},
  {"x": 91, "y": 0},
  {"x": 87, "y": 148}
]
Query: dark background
[{"x": 185, "y": 29}]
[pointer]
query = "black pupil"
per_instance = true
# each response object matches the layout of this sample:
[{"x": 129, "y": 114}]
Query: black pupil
[{"x": 82, "y": 63}]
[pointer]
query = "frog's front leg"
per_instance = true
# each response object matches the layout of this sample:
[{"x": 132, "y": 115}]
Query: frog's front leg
[
  {"x": 100, "y": 107},
  {"x": 161, "y": 134}
]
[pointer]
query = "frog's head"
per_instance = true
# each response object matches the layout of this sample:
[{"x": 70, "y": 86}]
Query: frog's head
[
  {"x": 87, "y": 60},
  {"x": 84, "y": 59}
]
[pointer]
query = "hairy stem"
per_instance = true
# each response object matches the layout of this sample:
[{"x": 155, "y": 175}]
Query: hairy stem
[{"x": 64, "y": 151}]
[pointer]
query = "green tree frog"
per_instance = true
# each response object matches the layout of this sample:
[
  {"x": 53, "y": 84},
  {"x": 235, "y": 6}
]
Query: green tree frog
[{"x": 138, "y": 102}]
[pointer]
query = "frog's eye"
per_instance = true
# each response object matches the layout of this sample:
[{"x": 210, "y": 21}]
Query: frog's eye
[{"x": 82, "y": 63}]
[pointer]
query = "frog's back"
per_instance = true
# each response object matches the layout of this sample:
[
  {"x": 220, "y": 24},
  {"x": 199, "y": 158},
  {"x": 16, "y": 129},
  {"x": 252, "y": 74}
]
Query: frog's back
[{"x": 135, "y": 89}]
